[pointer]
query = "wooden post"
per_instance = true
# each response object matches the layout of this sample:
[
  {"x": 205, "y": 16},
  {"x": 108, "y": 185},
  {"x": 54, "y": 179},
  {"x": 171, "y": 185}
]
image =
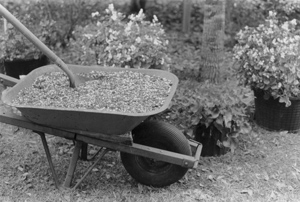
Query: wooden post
[
  {"x": 4, "y": 20},
  {"x": 186, "y": 20},
  {"x": 5, "y": 25}
]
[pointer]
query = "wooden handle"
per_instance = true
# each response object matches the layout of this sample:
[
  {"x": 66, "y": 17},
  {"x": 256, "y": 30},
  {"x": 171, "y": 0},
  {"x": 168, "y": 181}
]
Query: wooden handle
[{"x": 40, "y": 45}]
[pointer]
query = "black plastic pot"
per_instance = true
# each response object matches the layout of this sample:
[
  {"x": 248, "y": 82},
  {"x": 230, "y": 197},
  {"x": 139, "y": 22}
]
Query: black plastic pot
[
  {"x": 19, "y": 67},
  {"x": 210, "y": 137},
  {"x": 272, "y": 115}
]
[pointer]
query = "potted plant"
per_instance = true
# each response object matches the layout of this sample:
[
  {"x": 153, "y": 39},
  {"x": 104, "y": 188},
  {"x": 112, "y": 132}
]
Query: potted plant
[
  {"x": 113, "y": 40},
  {"x": 213, "y": 114},
  {"x": 19, "y": 55},
  {"x": 269, "y": 63}
]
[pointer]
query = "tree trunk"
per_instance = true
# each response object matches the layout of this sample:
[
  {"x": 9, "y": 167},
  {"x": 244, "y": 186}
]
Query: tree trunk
[
  {"x": 136, "y": 6},
  {"x": 186, "y": 20},
  {"x": 212, "y": 40}
]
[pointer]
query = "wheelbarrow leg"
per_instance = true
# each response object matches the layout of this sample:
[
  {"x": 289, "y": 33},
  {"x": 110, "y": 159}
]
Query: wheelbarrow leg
[
  {"x": 73, "y": 163},
  {"x": 46, "y": 148}
]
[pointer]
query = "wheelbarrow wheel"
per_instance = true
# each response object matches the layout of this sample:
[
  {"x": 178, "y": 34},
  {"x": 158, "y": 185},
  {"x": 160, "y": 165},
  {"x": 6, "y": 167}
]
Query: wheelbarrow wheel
[{"x": 148, "y": 171}]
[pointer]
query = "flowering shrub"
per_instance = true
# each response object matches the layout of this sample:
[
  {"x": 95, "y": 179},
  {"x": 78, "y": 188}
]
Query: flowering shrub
[
  {"x": 288, "y": 6},
  {"x": 135, "y": 43},
  {"x": 269, "y": 58}
]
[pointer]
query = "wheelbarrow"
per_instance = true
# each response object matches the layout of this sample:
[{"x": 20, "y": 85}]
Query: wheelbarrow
[{"x": 154, "y": 153}]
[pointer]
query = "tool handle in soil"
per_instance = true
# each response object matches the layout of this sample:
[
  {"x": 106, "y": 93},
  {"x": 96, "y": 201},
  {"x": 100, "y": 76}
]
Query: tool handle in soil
[{"x": 40, "y": 45}]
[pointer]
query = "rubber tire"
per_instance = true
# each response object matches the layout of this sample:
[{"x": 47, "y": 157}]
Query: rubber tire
[{"x": 159, "y": 135}]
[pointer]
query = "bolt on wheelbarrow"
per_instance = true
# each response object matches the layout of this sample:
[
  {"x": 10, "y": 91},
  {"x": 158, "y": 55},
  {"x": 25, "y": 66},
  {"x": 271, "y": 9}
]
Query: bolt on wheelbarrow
[{"x": 154, "y": 153}]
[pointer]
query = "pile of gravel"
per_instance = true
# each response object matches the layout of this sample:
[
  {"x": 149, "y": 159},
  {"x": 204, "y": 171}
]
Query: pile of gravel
[{"x": 122, "y": 91}]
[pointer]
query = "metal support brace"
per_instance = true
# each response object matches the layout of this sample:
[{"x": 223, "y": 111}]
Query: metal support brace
[
  {"x": 46, "y": 148},
  {"x": 102, "y": 153},
  {"x": 83, "y": 154}
]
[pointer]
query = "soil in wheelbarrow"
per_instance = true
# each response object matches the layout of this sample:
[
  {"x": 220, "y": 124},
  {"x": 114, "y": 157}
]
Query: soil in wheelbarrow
[{"x": 123, "y": 91}]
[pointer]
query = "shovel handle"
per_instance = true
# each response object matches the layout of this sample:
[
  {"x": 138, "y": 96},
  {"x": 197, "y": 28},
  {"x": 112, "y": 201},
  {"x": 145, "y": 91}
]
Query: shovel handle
[{"x": 40, "y": 45}]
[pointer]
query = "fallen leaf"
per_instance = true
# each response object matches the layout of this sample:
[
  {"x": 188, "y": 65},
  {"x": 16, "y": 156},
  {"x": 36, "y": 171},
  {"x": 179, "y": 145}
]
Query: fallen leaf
[
  {"x": 201, "y": 185},
  {"x": 280, "y": 185},
  {"x": 220, "y": 177},
  {"x": 235, "y": 178},
  {"x": 230, "y": 143},
  {"x": 25, "y": 174},
  {"x": 140, "y": 188},
  {"x": 266, "y": 176},
  {"x": 226, "y": 143},
  {"x": 211, "y": 177},
  {"x": 16, "y": 130},
  {"x": 296, "y": 169},
  {"x": 247, "y": 191},
  {"x": 290, "y": 188},
  {"x": 284, "y": 132},
  {"x": 95, "y": 169},
  {"x": 272, "y": 195},
  {"x": 107, "y": 176},
  {"x": 110, "y": 165},
  {"x": 205, "y": 170},
  {"x": 93, "y": 151},
  {"x": 67, "y": 197},
  {"x": 20, "y": 168},
  {"x": 189, "y": 132},
  {"x": 224, "y": 181}
]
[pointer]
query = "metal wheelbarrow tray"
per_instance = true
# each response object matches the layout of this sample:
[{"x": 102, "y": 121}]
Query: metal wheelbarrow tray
[{"x": 107, "y": 122}]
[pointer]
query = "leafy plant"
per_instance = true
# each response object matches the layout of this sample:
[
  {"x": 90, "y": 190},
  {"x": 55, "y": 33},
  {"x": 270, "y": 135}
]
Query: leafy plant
[
  {"x": 225, "y": 106},
  {"x": 13, "y": 45},
  {"x": 184, "y": 57},
  {"x": 67, "y": 15},
  {"x": 269, "y": 58},
  {"x": 170, "y": 15},
  {"x": 114, "y": 41}
]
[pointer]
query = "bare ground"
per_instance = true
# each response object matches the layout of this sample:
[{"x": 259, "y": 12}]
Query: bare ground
[{"x": 265, "y": 167}]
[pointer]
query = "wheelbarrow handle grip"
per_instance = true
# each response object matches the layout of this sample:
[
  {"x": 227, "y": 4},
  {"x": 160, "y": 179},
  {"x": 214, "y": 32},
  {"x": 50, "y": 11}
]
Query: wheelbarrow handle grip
[{"x": 40, "y": 45}]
